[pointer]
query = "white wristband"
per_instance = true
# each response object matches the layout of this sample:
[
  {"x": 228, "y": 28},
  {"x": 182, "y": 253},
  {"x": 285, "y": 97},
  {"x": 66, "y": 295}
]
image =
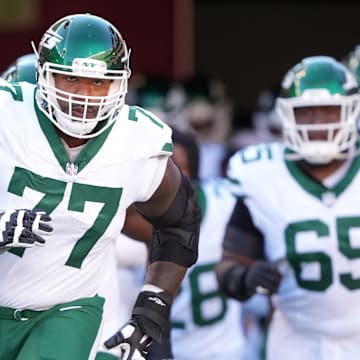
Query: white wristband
[{"x": 152, "y": 288}]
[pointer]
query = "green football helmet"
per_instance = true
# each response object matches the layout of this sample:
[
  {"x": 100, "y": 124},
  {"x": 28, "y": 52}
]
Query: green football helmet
[
  {"x": 22, "y": 69},
  {"x": 82, "y": 45},
  {"x": 319, "y": 81}
]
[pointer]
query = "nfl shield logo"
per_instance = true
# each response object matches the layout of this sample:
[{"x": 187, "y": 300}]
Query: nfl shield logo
[{"x": 71, "y": 169}]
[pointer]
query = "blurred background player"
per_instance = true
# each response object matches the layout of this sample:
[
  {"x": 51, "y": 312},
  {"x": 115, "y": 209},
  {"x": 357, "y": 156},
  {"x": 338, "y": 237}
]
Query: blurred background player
[
  {"x": 352, "y": 61},
  {"x": 151, "y": 92},
  {"x": 203, "y": 108},
  {"x": 294, "y": 232},
  {"x": 22, "y": 69},
  {"x": 259, "y": 126}
]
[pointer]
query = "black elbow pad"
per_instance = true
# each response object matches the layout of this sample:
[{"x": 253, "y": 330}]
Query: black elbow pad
[{"x": 176, "y": 232}]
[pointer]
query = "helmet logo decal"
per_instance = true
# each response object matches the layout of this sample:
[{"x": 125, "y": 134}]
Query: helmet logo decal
[
  {"x": 89, "y": 67},
  {"x": 50, "y": 39}
]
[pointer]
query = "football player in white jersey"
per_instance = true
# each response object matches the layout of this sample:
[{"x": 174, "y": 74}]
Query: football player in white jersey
[
  {"x": 128, "y": 253},
  {"x": 295, "y": 231},
  {"x": 71, "y": 147},
  {"x": 205, "y": 323}
]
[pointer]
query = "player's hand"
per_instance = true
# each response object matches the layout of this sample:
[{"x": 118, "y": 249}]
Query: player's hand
[
  {"x": 132, "y": 341},
  {"x": 24, "y": 228},
  {"x": 149, "y": 320},
  {"x": 263, "y": 278}
]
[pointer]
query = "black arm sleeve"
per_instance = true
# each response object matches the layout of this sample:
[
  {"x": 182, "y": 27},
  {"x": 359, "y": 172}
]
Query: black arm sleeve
[
  {"x": 241, "y": 235},
  {"x": 176, "y": 232},
  {"x": 241, "y": 238}
]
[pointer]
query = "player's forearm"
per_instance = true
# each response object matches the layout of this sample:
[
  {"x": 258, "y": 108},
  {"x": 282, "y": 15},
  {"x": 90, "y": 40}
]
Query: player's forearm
[
  {"x": 166, "y": 275},
  {"x": 150, "y": 315}
]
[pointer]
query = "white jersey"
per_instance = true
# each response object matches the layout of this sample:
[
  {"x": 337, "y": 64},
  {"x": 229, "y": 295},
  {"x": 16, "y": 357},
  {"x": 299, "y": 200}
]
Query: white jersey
[
  {"x": 313, "y": 233},
  {"x": 205, "y": 324},
  {"x": 86, "y": 199}
]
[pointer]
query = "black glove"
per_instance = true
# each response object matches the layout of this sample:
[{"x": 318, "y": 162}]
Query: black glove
[
  {"x": 22, "y": 228},
  {"x": 163, "y": 350},
  {"x": 262, "y": 277},
  {"x": 148, "y": 321}
]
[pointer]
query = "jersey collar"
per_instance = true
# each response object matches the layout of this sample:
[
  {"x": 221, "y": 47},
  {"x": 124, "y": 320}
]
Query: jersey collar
[{"x": 315, "y": 187}]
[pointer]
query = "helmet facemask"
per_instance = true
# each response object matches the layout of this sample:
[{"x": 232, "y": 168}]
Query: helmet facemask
[
  {"x": 340, "y": 136},
  {"x": 60, "y": 104},
  {"x": 320, "y": 143}
]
